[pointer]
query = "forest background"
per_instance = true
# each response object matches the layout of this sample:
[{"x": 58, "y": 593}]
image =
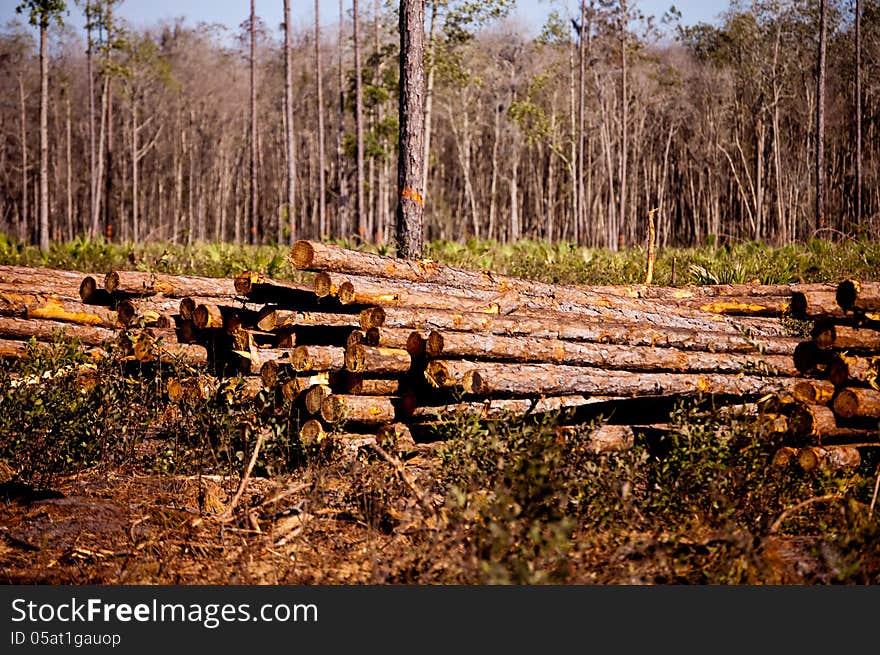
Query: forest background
[{"x": 574, "y": 130}]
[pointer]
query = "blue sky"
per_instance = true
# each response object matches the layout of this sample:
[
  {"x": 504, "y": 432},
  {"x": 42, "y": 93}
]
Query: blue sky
[{"x": 143, "y": 13}]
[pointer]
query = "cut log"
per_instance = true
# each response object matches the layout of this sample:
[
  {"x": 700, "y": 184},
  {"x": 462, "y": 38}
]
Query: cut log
[
  {"x": 366, "y": 291},
  {"x": 318, "y": 358},
  {"x": 260, "y": 357},
  {"x": 856, "y": 401},
  {"x": 845, "y": 337},
  {"x": 315, "y": 396},
  {"x": 47, "y": 330},
  {"x": 830, "y": 458},
  {"x": 812, "y": 421},
  {"x": 147, "y": 348},
  {"x": 93, "y": 294},
  {"x": 39, "y": 305},
  {"x": 360, "y": 385},
  {"x": 785, "y": 457},
  {"x": 568, "y": 329},
  {"x": 496, "y": 408},
  {"x": 312, "y": 255},
  {"x": 311, "y": 432},
  {"x": 287, "y": 295},
  {"x": 813, "y": 392},
  {"x": 858, "y": 295},
  {"x": 206, "y": 316},
  {"x": 851, "y": 368},
  {"x": 272, "y": 318},
  {"x": 556, "y": 351},
  {"x": 395, "y": 437},
  {"x": 819, "y": 423},
  {"x": 815, "y": 305},
  {"x": 147, "y": 311},
  {"x": 611, "y": 439},
  {"x": 293, "y": 387},
  {"x": 376, "y": 361},
  {"x": 491, "y": 378},
  {"x": 370, "y": 410},
  {"x": 139, "y": 283},
  {"x": 809, "y": 359}
]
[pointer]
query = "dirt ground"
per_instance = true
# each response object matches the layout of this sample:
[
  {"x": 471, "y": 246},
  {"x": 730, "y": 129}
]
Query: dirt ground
[{"x": 132, "y": 528}]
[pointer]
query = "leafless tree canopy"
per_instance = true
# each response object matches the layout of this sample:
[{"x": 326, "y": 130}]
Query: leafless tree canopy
[{"x": 573, "y": 132}]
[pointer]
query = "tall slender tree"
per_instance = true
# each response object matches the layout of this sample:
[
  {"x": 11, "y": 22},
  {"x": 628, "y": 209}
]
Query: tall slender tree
[
  {"x": 319, "y": 108},
  {"x": 820, "y": 116},
  {"x": 341, "y": 173},
  {"x": 42, "y": 13},
  {"x": 410, "y": 203},
  {"x": 358, "y": 120},
  {"x": 289, "y": 143},
  {"x": 252, "y": 207},
  {"x": 858, "y": 116}
]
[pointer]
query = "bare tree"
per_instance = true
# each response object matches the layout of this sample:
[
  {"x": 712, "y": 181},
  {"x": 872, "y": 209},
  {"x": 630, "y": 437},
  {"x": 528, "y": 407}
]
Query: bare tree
[
  {"x": 252, "y": 210},
  {"x": 820, "y": 116},
  {"x": 289, "y": 145},
  {"x": 410, "y": 204},
  {"x": 319, "y": 107},
  {"x": 359, "y": 120},
  {"x": 858, "y": 116},
  {"x": 42, "y": 12}
]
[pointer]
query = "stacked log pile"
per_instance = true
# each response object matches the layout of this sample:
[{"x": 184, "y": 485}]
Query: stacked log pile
[
  {"x": 377, "y": 348},
  {"x": 833, "y": 413},
  {"x": 434, "y": 341}
]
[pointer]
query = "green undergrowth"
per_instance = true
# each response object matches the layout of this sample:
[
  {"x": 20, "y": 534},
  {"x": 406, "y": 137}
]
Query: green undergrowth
[
  {"x": 510, "y": 501},
  {"x": 815, "y": 261}
]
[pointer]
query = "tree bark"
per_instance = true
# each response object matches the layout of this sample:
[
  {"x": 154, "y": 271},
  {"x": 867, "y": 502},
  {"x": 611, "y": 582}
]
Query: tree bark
[
  {"x": 139, "y": 283},
  {"x": 482, "y": 346},
  {"x": 570, "y": 329},
  {"x": 376, "y": 360},
  {"x": 820, "y": 117},
  {"x": 857, "y": 401},
  {"x": 856, "y": 295},
  {"x": 322, "y": 157},
  {"x": 813, "y": 392},
  {"x": 272, "y": 319},
  {"x": 44, "y": 134},
  {"x": 253, "y": 204},
  {"x": 846, "y": 337},
  {"x": 368, "y": 410},
  {"x": 45, "y": 330},
  {"x": 359, "y": 121},
  {"x": 857, "y": 102},
  {"x": 318, "y": 358},
  {"x": 411, "y": 148},
  {"x": 831, "y": 458},
  {"x": 289, "y": 143},
  {"x": 498, "y": 379}
]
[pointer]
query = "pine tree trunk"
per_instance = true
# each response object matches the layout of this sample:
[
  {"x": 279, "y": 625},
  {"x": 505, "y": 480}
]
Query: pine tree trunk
[
  {"x": 820, "y": 118},
  {"x": 289, "y": 145},
  {"x": 252, "y": 210},
  {"x": 410, "y": 203},
  {"x": 44, "y": 137},
  {"x": 322, "y": 164},
  {"x": 359, "y": 122}
]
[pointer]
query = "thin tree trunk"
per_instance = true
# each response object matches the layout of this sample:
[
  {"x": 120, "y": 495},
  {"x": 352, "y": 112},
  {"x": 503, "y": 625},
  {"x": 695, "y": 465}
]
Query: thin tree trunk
[
  {"x": 623, "y": 123},
  {"x": 429, "y": 96},
  {"x": 858, "y": 118},
  {"x": 340, "y": 133},
  {"x": 252, "y": 207},
  {"x": 359, "y": 122},
  {"x": 135, "y": 221},
  {"x": 69, "y": 171},
  {"x": 410, "y": 204},
  {"x": 289, "y": 144},
  {"x": 93, "y": 232},
  {"x": 44, "y": 137},
  {"x": 820, "y": 118},
  {"x": 319, "y": 92},
  {"x": 582, "y": 71},
  {"x": 23, "y": 224}
]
